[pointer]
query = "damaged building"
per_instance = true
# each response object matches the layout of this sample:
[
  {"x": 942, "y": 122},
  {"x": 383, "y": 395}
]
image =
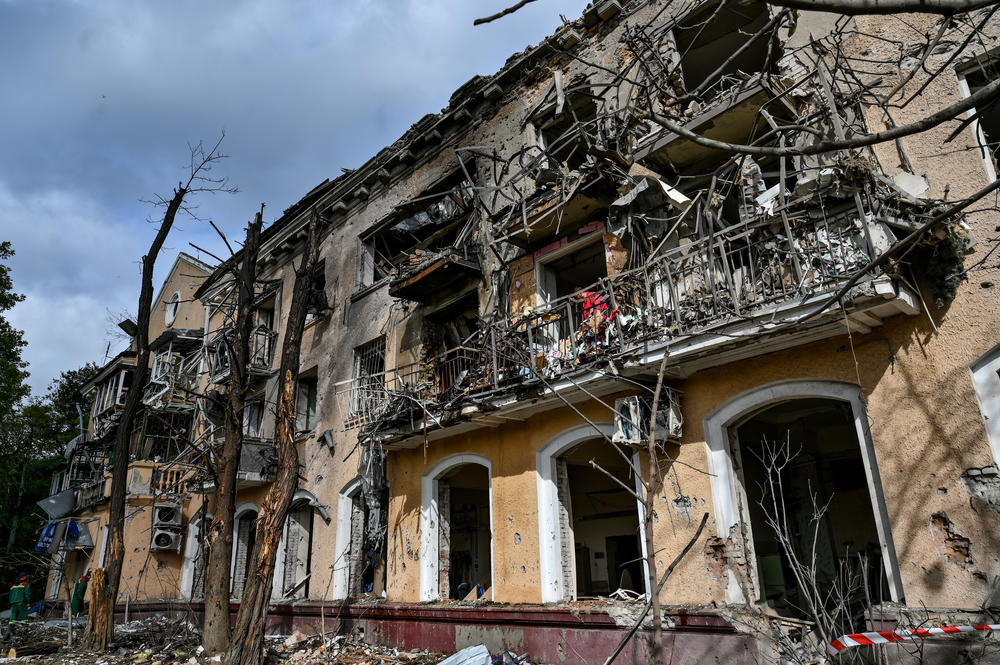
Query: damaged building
[{"x": 507, "y": 285}]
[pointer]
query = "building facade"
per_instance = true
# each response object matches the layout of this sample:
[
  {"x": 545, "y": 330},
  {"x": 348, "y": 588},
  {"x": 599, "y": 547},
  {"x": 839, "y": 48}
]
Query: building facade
[{"x": 506, "y": 286}]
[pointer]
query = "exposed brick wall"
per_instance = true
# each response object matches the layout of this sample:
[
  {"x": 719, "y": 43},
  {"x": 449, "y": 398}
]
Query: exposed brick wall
[{"x": 444, "y": 538}]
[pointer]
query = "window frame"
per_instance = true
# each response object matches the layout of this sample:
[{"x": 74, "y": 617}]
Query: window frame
[{"x": 976, "y": 65}]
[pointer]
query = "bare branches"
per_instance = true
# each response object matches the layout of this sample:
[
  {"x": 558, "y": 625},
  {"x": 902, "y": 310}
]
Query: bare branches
[
  {"x": 985, "y": 95},
  {"x": 654, "y": 593},
  {"x": 856, "y": 7},
  {"x": 501, "y": 14}
]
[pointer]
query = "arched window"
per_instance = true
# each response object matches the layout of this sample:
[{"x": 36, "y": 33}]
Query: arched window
[
  {"x": 590, "y": 530},
  {"x": 244, "y": 538},
  {"x": 170, "y": 311},
  {"x": 456, "y": 529},
  {"x": 821, "y": 428}
]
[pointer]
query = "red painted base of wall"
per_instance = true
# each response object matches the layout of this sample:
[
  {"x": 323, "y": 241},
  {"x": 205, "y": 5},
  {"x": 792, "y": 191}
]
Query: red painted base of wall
[{"x": 581, "y": 634}]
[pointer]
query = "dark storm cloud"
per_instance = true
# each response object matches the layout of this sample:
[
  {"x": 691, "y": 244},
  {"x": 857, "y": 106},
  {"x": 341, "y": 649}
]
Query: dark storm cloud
[{"x": 100, "y": 100}]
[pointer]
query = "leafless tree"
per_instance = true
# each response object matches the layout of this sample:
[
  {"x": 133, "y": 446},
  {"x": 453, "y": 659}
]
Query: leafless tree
[
  {"x": 105, "y": 591},
  {"x": 247, "y": 643},
  {"x": 220, "y": 536}
]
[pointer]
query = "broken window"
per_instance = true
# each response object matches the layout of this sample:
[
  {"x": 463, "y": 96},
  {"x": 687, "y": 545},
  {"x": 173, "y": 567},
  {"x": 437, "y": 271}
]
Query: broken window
[
  {"x": 798, "y": 457},
  {"x": 161, "y": 435},
  {"x": 560, "y": 126},
  {"x": 298, "y": 546},
  {"x": 987, "y": 119},
  {"x": 598, "y": 523},
  {"x": 360, "y": 553},
  {"x": 305, "y": 401},
  {"x": 263, "y": 337},
  {"x": 369, "y": 375},
  {"x": 417, "y": 232},
  {"x": 571, "y": 269},
  {"x": 246, "y": 538},
  {"x": 706, "y": 38},
  {"x": 464, "y": 533},
  {"x": 253, "y": 419}
]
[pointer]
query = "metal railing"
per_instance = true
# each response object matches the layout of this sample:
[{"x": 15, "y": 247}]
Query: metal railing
[
  {"x": 174, "y": 380},
  {"x": 740, "y": 272},
  {"x": 262, "y": 348},
  {"x": 90, "y": 494},
  {"x": 258, "y": 458}
]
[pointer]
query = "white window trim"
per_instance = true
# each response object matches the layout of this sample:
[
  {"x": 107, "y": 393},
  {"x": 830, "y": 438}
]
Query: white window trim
[
  {"x": 172, "y": 307},
  {"x": 549, "y": 544},
  {"x": 429, "y": 522},
  {"x": 190, "y": 557},
  {"x": 240, "y": 511},
  {"x": 963, "y": 85},
  {"x": 542, "y": 283},
  {"x": 341, "y": 558},
  {"x": 985, "y": 370},
  {"x": 728, "y": 500}
]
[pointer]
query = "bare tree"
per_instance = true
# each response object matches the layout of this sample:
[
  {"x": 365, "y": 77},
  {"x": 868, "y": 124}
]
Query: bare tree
[
  {"x": 216, "y": 630},
  {"x": 247, "y": 644},
  {"x": 105, "y": 591}
]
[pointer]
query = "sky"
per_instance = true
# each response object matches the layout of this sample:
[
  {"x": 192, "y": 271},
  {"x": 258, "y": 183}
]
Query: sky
[{"x": 100, "y": 101}]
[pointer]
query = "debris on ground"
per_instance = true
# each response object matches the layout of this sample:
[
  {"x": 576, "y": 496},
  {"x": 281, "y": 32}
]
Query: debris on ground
[
  {"x": 474, "y": 655},
  {"x": 159, "y": 640},
  {"x": 296, "y": 649}
]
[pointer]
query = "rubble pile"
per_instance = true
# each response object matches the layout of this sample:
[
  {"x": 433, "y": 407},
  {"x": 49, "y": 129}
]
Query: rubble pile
[
  {"x": 163, "y": 641},
  {"x": 298, "y": 649},
  {"x": 158, "y": 635}
]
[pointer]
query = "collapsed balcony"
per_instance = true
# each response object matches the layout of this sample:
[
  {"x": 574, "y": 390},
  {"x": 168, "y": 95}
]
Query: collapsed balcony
[
  {"x": 176, "y": 365},
  {"x": 261, "y": 357},
  {"x": 109, "y": 391},
  {"x": 720, "y": 292},
  {"x": 423, "y": 243}
]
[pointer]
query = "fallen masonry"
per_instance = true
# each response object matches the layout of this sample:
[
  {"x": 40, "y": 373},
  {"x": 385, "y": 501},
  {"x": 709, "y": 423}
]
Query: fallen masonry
[{"x": 162, "y": 641}]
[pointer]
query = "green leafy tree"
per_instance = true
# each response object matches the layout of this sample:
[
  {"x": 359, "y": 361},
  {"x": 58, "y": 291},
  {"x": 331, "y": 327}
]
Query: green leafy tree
[{"x": 13, "y": 388}]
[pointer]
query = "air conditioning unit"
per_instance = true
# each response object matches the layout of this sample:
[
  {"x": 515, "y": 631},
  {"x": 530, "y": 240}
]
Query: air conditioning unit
[
  {"x": 167, "y": 514},
  {"x": 632, "y": 415},
  {"x": 166, "y": 539}
]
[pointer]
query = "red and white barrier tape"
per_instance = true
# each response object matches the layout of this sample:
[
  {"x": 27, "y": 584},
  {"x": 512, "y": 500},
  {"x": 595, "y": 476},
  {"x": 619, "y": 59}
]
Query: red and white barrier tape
[{"x": 888, "y": 636}]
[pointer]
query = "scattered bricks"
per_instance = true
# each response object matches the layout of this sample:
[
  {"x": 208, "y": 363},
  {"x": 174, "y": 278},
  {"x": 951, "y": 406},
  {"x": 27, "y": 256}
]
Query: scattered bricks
[{"x": 955, "y": 547}]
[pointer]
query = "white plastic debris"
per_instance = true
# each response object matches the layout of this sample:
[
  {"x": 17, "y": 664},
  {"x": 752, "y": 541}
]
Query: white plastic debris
[
  {"x": 914, "y": 185},
  {"x": 475, "y": 655}
]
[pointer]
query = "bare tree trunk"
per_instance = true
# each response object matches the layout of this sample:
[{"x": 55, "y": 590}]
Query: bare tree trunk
[
  {"x": 100, "y": 630},
  {"x": 247, "y": 644},
  {"x": 216, "y": 627},
  {"x": 653, "y": 482},
  {"x": 102, "y": 627}
]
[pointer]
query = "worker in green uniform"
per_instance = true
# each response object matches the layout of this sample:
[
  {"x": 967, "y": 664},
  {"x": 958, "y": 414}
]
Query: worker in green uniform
[
  {"x": 20, "y": 594},
  {"x": 79, "y": 591}
]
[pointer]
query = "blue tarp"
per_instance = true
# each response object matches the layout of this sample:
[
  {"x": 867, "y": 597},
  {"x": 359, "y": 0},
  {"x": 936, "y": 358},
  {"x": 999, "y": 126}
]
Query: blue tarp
[{"x": 48, "y": 534}]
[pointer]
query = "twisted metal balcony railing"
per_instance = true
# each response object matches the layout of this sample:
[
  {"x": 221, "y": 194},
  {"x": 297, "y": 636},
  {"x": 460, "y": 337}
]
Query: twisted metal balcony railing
[{"x": 737, "y": 273}]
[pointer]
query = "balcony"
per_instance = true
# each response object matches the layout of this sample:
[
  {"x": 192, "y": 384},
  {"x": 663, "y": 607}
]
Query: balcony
[
  {"x": 428, "y": 274},
  {"x": 732, "y": 115},
  {"x": 262, "y": 342},
  {"x": 169, "y": 481},
  {"x": 734, "y": 293},
  {"x": 400, "y": 393},
  {"x": 258, "y": 460},
  {"x": 173, "y": 382},
  {"x": 261, "y": 356},
  {"x": 91, "y": 494},
  {"x": 106, "y": 420}
]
